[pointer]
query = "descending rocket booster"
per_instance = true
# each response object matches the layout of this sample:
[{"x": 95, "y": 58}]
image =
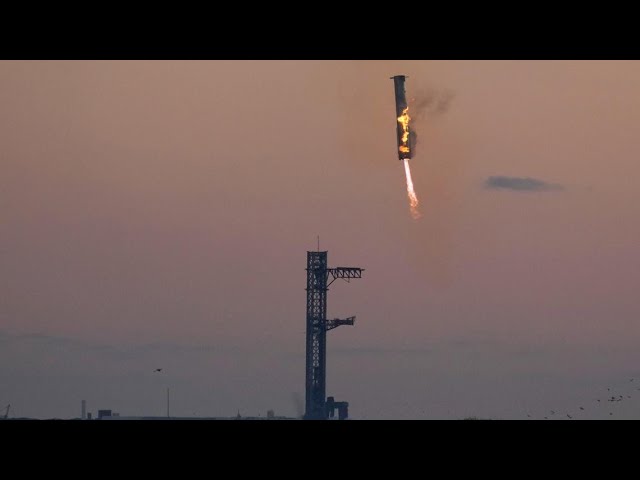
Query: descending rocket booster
[
  {"x": 402, "y": 114},
  {"x": 405, "y": 140}
]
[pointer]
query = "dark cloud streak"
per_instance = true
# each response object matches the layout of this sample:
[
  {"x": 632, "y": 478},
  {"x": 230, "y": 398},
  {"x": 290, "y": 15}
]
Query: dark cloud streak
[{"x": 520, "y": 184}]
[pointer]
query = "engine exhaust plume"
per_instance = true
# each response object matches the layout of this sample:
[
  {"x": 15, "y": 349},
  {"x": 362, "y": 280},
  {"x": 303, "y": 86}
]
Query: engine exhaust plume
[{"x": 413, "y": 199}]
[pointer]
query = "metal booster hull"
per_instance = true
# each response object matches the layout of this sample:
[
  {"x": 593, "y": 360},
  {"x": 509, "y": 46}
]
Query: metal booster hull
[{"x": 403, "y": 132}]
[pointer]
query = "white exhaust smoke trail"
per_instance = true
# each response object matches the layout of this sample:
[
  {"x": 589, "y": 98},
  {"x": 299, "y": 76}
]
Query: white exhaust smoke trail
[{"x": 413, "y": 199}]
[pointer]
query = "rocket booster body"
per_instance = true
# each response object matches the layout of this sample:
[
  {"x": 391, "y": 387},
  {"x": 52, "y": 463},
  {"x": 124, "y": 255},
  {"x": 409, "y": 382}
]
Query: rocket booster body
[{"x": 404, "y": 134}]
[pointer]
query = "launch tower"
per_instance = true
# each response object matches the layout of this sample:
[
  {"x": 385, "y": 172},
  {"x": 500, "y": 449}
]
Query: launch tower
[{"x": 317, "y": 406}]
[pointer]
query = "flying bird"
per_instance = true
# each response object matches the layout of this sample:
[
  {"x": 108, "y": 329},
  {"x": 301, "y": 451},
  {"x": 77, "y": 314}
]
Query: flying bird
[
  {"x": 569, "y": 416},
  {"x": 158, "y": 370},
  {"x": 583, "y": 408}
]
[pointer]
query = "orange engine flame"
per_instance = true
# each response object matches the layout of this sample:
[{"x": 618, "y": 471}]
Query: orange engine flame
[
  {"x": 404, "y": 121},
  {"x": 413, "y": 199},
  {"x": 404, "y": 148}
]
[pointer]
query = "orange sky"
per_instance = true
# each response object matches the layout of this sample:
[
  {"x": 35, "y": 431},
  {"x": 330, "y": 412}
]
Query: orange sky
[{"x": 172, "y": 203}]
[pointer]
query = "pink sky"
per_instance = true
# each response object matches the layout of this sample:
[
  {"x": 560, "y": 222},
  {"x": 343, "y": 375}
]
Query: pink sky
[{"x": 172, "y": 203}]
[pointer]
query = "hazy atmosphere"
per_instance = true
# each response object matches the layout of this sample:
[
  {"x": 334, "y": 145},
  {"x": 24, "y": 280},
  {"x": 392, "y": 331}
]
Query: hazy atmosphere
[{"x": 157, "y": 214}]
